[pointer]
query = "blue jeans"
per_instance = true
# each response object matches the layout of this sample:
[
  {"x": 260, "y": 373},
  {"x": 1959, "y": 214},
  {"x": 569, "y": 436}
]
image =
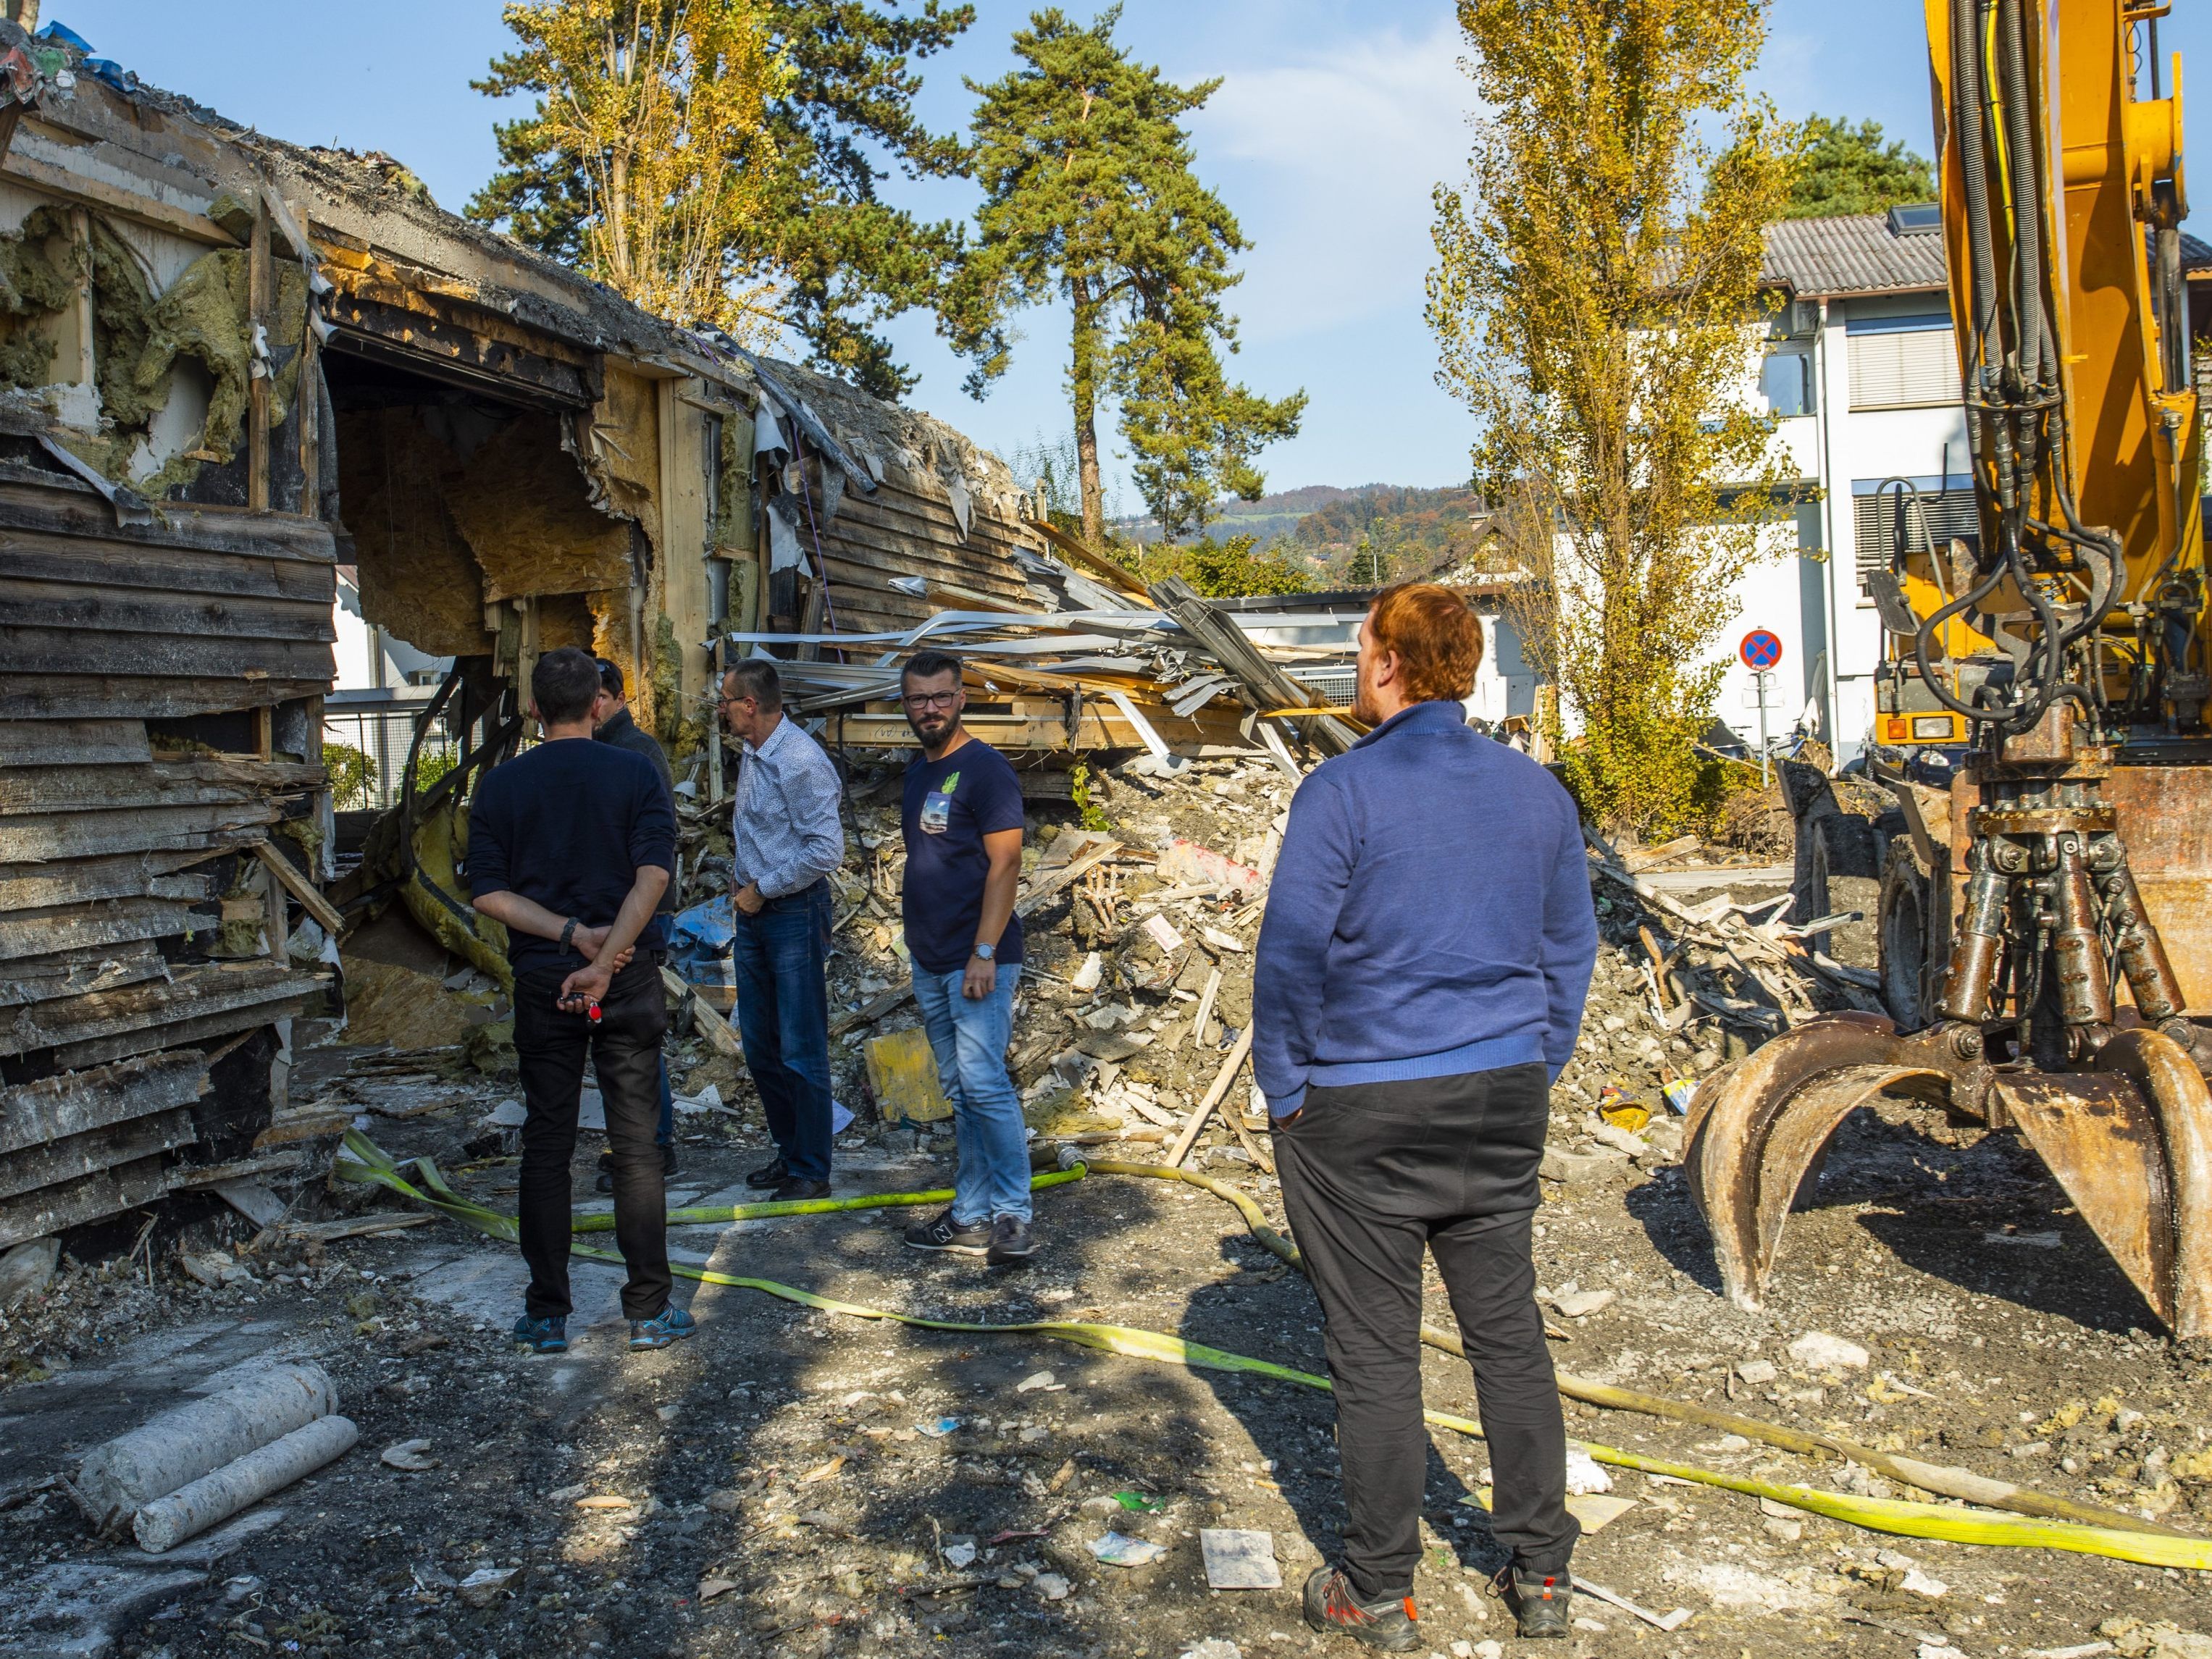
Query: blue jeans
[
  {"x": 780, "y": 959},
  {"x": 970, "y": 1041}
]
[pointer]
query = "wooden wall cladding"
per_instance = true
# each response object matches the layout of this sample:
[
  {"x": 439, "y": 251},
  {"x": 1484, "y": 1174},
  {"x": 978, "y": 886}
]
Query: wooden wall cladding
[{"x": 117, "y": 844}]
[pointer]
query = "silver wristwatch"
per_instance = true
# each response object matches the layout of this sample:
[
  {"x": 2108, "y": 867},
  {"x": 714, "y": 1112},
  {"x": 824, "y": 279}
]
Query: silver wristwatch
[{"x": 986, "y": 952}]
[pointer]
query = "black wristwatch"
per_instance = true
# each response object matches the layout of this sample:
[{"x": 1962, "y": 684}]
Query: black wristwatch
[{"x": 569, "y": 933}]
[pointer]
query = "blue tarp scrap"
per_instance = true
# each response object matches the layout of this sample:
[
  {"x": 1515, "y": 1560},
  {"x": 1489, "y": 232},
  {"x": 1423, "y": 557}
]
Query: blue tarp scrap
[{"x": 698, "y": 941}]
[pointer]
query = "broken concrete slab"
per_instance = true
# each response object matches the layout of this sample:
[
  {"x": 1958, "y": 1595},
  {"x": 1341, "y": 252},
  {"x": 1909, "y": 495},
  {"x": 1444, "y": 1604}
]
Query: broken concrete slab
[{"x": 81, "y": 1609}]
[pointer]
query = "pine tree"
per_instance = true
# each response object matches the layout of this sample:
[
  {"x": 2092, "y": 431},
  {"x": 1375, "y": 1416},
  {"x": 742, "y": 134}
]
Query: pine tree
[
  {"x": 1849, "y": 169},
  {"x": 840, "y": 259},
  {"x": 1090, "y": 198}
]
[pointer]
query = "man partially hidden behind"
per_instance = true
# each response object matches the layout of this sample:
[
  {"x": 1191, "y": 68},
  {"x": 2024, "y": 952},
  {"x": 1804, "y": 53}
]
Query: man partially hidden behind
[
  {"x": 570, "y": 845},
  {"x": 785, "y": 838},
  {"x": 1418, "y": 984},
  {"x": 964, "y": 861},
  {"x": 612, "y": 722}
]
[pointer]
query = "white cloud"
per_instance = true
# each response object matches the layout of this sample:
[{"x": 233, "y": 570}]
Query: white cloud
[{"x": 1328, "y": 157}]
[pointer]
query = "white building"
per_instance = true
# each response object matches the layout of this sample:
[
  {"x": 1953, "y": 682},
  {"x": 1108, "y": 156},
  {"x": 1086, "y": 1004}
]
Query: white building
[
  {"x": 1861, "y": 375},
  {"x": 382, "y": 684}
]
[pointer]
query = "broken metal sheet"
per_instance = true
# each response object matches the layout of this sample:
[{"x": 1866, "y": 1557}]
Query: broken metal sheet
[{"x": 783, "y": 548}]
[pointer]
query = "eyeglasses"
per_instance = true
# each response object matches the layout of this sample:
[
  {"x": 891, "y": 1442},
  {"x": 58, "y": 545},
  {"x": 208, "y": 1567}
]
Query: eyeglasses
[{"x": 920, "y": 700}]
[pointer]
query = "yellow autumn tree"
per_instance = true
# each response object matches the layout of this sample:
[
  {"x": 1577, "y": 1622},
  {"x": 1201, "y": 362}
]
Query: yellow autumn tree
[
  {"x": 653, "y": 119},
  {"x": 1596, "y": 302}
]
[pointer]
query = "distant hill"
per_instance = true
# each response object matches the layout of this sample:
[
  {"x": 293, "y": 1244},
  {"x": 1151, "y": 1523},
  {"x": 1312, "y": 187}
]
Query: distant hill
[{"x": 1414, "y": 531}]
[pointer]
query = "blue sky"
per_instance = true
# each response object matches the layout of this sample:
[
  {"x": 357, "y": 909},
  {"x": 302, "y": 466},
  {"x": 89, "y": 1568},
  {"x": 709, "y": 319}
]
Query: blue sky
[{"x": 1334, "y": 123}]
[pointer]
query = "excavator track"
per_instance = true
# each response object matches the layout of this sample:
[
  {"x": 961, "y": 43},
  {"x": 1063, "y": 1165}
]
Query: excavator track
[{"x": 2129, "y": 1140}]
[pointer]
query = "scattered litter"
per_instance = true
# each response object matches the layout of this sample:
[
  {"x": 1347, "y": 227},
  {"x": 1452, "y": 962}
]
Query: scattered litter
[
  {"x": 1116, "y": 1550},
  {"x": 1162, "y": 932},
  {"x": 1238, "y": 1559},
  {"x": 960, "y": 1555},
  {"x": 1584, "y": 1474},
  {"x": 938, "y": 1429},
  {"x": 1036, "y": 1380},
  {"x": 411, "y": 1455},
  {"x": 1086, "y": 977},
  {"x": 604, "y": 1501},
  {"x": 823, "y": 1471},
  {"x": 713, "y": 1586},
  {"x": 1817, "y": 1351},
  {"x": 1221, "y": 941},
  {"x": 1664, "y": 1622},
  {"x": 1138, "y": 1502},
  {"x": 1050, "y": 1586},
  {"x": 902, "y": 1071},
  {"x": 1214, "y": 1647}
]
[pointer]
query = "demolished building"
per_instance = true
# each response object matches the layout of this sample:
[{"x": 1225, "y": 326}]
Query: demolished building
[{"x": 231, "y": 365}]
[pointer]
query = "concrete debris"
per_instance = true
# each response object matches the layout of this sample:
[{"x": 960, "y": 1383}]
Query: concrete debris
[
  {"x": 2137, "y": 1639},
  {"x": 27, "y": 1269},
  {"x": 1818, "y": 1351}
]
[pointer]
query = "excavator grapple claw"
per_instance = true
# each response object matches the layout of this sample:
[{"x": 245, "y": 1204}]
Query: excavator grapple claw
[
  {"x": 1759, "y": 1129},
  {"x": 2130, "y": 1139}
]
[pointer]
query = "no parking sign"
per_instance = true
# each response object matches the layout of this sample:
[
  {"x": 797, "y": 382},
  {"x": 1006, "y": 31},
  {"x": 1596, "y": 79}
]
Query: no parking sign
[{"x": 1761, "y": 650}]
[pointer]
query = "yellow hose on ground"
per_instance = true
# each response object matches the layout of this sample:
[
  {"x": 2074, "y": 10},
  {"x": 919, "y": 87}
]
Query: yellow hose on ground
[
  {"x": 363, "y": 1161},
  {"x": 1949, "y": 1482}
]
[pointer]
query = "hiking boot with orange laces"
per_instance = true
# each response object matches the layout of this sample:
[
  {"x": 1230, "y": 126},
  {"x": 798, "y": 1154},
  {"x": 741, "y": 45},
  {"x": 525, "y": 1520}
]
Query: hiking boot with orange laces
[
  {"x": 1540, "y": 1601},
  {"x": 1333, "y": 1605}
]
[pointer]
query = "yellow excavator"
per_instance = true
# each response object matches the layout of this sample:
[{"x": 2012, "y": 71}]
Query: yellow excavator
[{"x": 2047, "y": 928}]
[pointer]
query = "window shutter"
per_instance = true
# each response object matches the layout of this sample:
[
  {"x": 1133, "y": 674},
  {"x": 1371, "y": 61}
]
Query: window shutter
[
  {"x": 1885, "y": 526},
  {"x": 1904, "y": 370}
]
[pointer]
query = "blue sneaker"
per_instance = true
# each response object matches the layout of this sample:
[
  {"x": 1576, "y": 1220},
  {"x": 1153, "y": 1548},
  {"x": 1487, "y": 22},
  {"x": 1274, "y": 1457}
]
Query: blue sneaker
[
  {"x": 548, "y": 1335},
  {"x": 672, "y": 1324}
]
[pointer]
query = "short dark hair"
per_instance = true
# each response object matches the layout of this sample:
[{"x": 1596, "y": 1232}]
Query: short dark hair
[
  {"x": 756, "y": 678},
  {"x": 610, "y": 678},
  {"x": 562, "y": 685},
  {"x": 928, "y": 665}
]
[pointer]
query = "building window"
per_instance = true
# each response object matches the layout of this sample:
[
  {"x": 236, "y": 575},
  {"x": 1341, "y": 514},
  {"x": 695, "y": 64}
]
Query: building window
[
  {"x": 1785, "y": 380},
  {"x": 1903, "y": 362},
  {"x": 1884, "y": 527}
]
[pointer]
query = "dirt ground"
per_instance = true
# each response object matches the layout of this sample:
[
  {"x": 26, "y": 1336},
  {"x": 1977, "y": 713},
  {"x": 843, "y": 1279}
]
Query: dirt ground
[{"x": 794, "y": 1483}]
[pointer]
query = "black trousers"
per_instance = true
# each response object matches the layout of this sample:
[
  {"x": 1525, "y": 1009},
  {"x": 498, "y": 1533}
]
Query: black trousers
[
  {"x": 625, "y": 1051},
  {"x": 1371, "y": 1174}
]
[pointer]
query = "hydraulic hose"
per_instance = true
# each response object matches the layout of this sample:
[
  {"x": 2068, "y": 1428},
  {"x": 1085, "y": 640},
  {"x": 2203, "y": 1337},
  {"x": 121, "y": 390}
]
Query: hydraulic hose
[
  {"x": 2027, "y": 217},
  {"x": 1973, "y": 159}
]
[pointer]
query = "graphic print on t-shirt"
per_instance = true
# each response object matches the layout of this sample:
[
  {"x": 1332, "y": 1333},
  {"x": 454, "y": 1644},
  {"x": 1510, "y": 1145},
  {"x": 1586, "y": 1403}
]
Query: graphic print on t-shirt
[{"x": 937, "y": 808}]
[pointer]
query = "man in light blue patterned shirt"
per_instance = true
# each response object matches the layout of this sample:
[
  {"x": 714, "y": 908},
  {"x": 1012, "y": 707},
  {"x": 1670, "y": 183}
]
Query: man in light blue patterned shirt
[{"x": 786, "y": 838}]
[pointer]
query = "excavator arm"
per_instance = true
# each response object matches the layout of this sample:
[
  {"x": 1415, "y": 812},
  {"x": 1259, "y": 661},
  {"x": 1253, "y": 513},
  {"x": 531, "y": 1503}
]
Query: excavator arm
[{"x": 2070, "y": 644}]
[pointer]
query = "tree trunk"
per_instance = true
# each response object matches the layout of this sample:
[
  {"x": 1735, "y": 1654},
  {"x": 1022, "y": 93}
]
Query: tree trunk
[{"x": 1083, "y": 381}]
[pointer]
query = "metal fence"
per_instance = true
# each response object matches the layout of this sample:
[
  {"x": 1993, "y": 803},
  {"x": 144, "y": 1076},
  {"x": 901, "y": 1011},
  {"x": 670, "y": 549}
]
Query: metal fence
[{"x": 365, "y": 750}]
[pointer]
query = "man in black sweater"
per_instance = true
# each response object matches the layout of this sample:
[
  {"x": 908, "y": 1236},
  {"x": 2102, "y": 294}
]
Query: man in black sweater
[
  {"x": 571, "y": 845},
  {"x": 612, "y": 722}
]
